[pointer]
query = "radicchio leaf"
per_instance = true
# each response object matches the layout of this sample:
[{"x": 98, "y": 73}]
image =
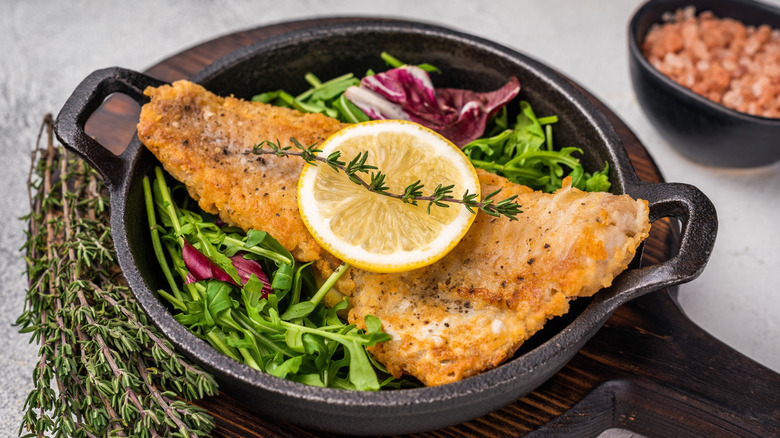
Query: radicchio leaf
[
  {"x": 247, "y": 267},
  {"x": 407, "y": 93},
  {"x": 199, "y": 267}
]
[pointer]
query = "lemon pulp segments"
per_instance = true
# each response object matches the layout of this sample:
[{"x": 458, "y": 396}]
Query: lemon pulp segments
[{"x": 376, "y": 232}]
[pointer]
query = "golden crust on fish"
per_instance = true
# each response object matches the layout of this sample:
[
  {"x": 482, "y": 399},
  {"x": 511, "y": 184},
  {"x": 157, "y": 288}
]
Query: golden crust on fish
[
  {"x": 466, "y": 313},
  {"x": 206, "y": 141},
  {"x": 473, "y": 309}
]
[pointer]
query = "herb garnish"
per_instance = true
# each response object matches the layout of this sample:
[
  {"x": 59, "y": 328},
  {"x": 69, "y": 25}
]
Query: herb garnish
[
  {"x": 440, "y": 196},
  {"x": 104, "y": 369}
]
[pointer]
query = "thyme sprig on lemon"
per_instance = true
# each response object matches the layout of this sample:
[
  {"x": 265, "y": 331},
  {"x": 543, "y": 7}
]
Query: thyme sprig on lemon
[{"x": 441, "y": 196}]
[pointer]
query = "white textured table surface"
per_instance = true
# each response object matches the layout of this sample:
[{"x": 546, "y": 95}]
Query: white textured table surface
[{"x": 47, "y": 48}]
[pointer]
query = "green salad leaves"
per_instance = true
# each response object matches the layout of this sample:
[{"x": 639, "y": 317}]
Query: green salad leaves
[
  {"x": 245, "y": 295},
  {"x": 323, "y": 97},
  {"x": 524, "y": 154}
]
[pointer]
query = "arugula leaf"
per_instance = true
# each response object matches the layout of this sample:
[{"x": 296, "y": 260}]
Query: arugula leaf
[
  {"x": 361, "y": 373},
  {"x": 316, "y": 347},
  {"x": 290, "y": 366},
  {"x": 217, "y": 297},
  {"x": 373, "y": 324},
  {"x": 309, "y": 379},
  {"x": 283, "y": 278},
  {"x": 298, "y": 310},
  {"x": 599, "y": 181},
  {"x": 294, "y": 339},
  {"x": 195, "y": 315}
]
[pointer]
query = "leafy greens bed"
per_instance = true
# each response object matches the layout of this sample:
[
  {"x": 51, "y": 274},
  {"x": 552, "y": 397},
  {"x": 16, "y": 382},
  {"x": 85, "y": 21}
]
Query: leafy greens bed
[{"x": 275, "y": 323}]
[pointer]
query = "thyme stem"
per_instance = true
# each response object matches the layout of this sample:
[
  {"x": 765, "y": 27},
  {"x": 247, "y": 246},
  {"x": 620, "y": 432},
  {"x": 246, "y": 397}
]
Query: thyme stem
[{"x": 440, "y": 197}]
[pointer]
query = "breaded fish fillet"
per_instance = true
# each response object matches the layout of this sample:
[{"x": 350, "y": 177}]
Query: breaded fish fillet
[
  {"x": 206, "y": 141},
  {"x": 462, "y": 315},
  {"x": 473, "y": 309}
]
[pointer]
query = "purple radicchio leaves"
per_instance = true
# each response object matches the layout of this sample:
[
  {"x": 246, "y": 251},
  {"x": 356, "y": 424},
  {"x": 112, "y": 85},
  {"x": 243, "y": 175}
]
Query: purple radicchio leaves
[
  {"x": 247, "y": 267},
  {"x": 200, "y": 267},
  {"x": 407, "y": 93}
]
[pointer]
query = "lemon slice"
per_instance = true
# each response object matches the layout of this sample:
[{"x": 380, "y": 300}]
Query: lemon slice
[{"x": 375, "y": 232}]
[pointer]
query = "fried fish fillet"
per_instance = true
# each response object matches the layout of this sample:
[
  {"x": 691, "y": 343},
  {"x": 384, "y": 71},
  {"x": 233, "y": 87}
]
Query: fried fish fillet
[
  {"x": 206, "y": 142},
  {"x": 473, "y": 309},
  {"x": 462, "y": 315}
]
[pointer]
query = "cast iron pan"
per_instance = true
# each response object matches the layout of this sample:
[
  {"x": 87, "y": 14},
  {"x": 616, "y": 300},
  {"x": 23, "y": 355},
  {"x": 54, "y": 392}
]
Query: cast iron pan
[{"x": 466, "y": 62}]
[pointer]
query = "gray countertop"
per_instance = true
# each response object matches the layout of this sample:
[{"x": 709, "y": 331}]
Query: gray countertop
[{"x": 49, "y": 47}]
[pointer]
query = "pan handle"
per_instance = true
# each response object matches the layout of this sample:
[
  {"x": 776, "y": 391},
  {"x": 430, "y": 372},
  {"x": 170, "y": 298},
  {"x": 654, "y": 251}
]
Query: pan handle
[
  {"x": 699, "y": 227},
  {"x": 80, "y": 106}
]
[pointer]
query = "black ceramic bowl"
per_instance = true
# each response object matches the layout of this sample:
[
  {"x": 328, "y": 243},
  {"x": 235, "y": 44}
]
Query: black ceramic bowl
[
  {"x": 702, "y": 130},
  {"x": 467, "y": 62}
]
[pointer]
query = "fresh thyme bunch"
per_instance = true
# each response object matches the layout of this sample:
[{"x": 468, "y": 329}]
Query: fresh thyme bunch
[{"x": 103, "y": 370}]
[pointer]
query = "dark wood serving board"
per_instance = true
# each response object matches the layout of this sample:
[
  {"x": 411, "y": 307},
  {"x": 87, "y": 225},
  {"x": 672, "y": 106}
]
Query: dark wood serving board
[{"x": 649, "y": 369}]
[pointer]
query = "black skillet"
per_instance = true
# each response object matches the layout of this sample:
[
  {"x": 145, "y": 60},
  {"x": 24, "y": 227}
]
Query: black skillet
[{"x": 466, "y": 62}]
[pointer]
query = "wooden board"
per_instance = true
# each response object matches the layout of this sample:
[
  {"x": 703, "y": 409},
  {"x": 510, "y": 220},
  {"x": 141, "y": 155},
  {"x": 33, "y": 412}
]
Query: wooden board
[{"x": 649, "y": 369}]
